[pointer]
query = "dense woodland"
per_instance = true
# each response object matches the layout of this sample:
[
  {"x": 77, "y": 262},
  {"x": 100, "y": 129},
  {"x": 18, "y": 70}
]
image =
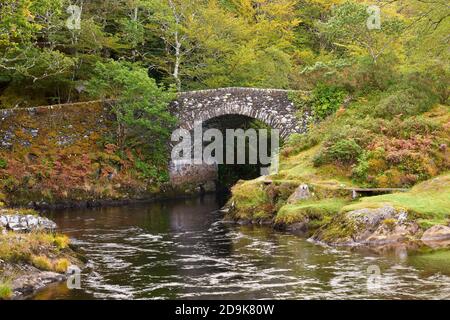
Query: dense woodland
[{"x": 199, "y": 44}]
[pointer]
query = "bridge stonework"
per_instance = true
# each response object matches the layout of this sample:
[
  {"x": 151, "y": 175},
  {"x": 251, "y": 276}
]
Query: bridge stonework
[
  {"x": 271, "y": 106},
  {"x": 68, "y": 124}
]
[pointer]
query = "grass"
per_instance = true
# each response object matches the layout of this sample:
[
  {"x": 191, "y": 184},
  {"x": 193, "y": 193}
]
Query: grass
[
  {"x": 251, "y": 201},
  {"x": 5, "y": 290},
  {"x": 300, "y": 167},
  {"x": 9, "y": 211},
  {"x": 36, "y": 248},
  {"x": 61, "y": 265},
  {"x": 429, "y": 201},
  {"x": 42, "y": 262},
  {"x": 61, "y": 241},
  {"x": 318, "y": 210}
]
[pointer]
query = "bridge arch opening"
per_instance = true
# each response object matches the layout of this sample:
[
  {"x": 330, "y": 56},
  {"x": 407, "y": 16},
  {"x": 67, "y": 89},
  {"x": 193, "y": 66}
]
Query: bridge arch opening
[{"x": 229, "y": 173}]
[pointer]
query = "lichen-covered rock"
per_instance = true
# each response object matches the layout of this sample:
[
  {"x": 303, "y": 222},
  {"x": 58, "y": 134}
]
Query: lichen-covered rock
[
  {"x": 301, "y": 193},
  {"x": 369, "y": 226},
  {"x": 387, "y": 234},
  {"x": 436, "y": 233},
  {"x": 26, "y": 223},
  {"x": 371, "y": 218}
]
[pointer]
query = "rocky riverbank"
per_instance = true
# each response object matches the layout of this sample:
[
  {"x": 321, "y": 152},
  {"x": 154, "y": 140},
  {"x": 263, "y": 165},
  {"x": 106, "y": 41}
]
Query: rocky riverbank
[
  {"x": 330, "y": 214},
  {"x": 32, "y": 255}
]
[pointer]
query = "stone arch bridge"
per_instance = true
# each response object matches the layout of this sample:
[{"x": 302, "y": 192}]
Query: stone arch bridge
[{"x": 271, "y": 106}]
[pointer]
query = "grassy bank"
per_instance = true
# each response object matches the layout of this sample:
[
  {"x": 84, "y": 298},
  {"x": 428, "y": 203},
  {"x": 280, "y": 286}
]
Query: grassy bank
[{"x": 24, "y": 256}]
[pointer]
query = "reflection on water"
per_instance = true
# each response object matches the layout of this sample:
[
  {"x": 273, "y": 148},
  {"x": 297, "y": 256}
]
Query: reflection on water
[{"x": 181, "y": 250}]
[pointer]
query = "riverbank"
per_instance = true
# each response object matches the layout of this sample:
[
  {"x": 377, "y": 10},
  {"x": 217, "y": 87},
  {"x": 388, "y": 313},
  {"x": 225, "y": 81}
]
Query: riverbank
[
  {"x": 357, "y": 179},
  {"x": 32, "y": 254},
  {"x": 329, "y": 215},
  {"x": 67, "y": 156}
]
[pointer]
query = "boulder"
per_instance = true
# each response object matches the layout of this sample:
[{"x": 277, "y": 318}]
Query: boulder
[
  {"x": 26, "y": 223},
  {"x": 397, "y": 234},
  {"x": 436, "y": 233},
  {"x": 382, "y": 225},
  {"x": 301, "y": 193},
  {"x": 299, "y": 228},
  {"x": 370, "y": 218}
]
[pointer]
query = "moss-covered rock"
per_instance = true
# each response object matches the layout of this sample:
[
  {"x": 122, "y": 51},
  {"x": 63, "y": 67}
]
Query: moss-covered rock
[
  {"x": 312, "y": 213},
  {"x": 250, "y": 201}
]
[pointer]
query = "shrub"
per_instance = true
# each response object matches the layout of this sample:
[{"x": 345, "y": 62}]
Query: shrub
[
  {"x": 413, "y": 95},
  {"x": 440, "y": 77},
  {"x": 404, "y": 103},
  {"x": 360, "y": 172},
  {"x": 300, "y": 142},
  {"x": 11, "y": 184},
  {"x": 326, "y": 100},
  {"x": 146, "y": 171},
  {"x": 343, "y": 151}
]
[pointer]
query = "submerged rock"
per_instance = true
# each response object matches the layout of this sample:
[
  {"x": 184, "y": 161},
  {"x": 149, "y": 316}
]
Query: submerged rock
[
  {"x": 35, "y": 280},
  {"x": 209, "y": 186}
]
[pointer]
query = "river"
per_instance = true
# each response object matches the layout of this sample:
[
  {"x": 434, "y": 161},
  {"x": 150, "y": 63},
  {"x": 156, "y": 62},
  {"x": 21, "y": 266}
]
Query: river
[{"x": 180, "y": 249}]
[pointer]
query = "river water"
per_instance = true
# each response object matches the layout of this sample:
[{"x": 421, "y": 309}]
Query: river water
[{"x": 180, "y": 249}]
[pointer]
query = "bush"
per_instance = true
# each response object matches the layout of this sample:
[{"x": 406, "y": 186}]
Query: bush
[
  {"x": 440, "y": 77},
  {"x": 404, "y": 103},
  {"x": 146, "y": 170},
  {"x": 300, "y": 142},
  {"x": 343, "y": 151},
  {"x": 412, "y": 96},
  {"x": 326, "y": 100}
]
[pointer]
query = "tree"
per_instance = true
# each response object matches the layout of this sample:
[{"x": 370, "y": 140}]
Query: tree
[
  {"x": 22, "y": 26},
  {"x": 429, "y": 36},
  {"x": 140, "y": 105},
  {"x": 347, "y": 28},
  {"x": 169, "y": 20},
  {"x": 241, "y": 44}
]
